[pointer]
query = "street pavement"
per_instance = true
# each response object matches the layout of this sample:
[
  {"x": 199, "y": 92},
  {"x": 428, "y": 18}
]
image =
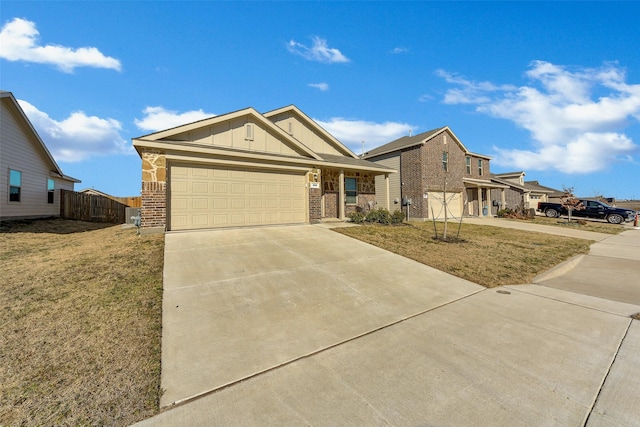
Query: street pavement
[{"x": 301, "y": 325}]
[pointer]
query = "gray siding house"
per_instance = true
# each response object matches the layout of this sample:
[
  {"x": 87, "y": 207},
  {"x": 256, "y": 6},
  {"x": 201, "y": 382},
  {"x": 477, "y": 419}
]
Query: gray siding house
[{"x": 30, "y": 179}]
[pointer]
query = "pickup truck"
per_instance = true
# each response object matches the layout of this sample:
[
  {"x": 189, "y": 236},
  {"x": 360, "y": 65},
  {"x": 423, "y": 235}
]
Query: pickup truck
[{"x": 592, "y": 209}]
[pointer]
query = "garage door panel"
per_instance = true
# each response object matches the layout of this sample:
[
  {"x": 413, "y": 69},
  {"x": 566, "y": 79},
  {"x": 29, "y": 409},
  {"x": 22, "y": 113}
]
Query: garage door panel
[
  {"x": 234, "y": 197},
  {"x": 220, "y": 220},
  {"x": 180, "y": 203},
  {"x": 220, "y": 204},
  {"x": 179, "y": 221},
  {"x": 436, "y": 205},
  {"x": 238, "y": 188},
  {"x": 220, "y": 187},
  {"x": 200, "y": 187},
  {"x": 255, "y": 189},
  {"x": 180, "y": 187},
  {"x": 200, "y": 172},
  {"x": 200, "y": 220},
  {"x": 200, "y": 204}
]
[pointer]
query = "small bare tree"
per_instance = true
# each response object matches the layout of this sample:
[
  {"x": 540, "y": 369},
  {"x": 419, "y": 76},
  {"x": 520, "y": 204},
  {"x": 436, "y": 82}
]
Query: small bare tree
[{"x": 570, "y": 202}]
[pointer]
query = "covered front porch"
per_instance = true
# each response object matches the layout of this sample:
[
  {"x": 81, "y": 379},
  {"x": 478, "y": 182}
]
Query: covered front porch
[
  {"x": 347, "y": 187},
  {"x": 478, "y": 195}
]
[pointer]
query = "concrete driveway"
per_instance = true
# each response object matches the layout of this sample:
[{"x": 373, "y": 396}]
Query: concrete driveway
[
  {"x": 301, "y": 325},
  {"x": 244, "y": 301}
]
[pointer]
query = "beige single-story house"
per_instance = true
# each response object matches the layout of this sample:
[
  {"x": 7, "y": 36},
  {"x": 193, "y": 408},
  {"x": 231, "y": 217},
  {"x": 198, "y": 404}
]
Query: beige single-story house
[
  {"x": 434, "y": 168},
  {"x": 245, "y": 168},
  {"x": 30, "y": 179}
]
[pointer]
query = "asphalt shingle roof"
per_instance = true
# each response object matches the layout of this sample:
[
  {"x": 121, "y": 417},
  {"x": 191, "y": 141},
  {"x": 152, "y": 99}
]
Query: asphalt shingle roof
[{"x": 400, "y": 143}]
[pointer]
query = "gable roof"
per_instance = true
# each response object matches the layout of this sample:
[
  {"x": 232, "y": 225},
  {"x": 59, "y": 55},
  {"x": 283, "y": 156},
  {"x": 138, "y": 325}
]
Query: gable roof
[
  {"x": 535, "y": 186},
  {"x": 412, "y": 141},
  {"x": 10, "y": 101},
  {"x": 517, "y": 174},
  {"x": 403, "y": 142},
  {"x": 251, "y": 112},
  {"x": 500, "y": 178},
  {"x": 313, "y": 124}
]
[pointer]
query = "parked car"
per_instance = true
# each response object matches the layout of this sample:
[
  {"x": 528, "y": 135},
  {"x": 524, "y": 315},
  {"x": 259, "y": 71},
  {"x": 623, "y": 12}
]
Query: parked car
[{"x": 590, "y": 209}]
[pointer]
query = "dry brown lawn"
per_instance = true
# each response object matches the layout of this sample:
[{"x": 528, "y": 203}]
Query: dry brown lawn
[
  {"x": 80, "y": 323},
  {"x": 489, "y": 256}
]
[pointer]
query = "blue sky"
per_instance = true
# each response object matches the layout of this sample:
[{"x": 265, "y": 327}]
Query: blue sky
[{"x": 551, "y": 88}]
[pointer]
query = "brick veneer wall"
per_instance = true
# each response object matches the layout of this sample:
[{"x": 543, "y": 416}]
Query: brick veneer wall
[
  {"x": 315, "y": 205},
  {"x": 330, "y": 204},
  {"x": 422, "y": 171},
  {"x": 153, "y": 212}
]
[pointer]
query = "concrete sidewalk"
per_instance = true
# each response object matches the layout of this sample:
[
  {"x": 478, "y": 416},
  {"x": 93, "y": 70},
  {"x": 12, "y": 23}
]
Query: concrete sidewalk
[
  {"x": 538, "y": 228},
  {"x": 611, "y": 270},
  {"x": 300, "y": 325}
]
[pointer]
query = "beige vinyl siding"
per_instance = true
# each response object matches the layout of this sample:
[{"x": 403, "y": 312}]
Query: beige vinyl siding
[
  {"x": 436, "y": 202},
  {"x": 232, "y": 134},
  {"x": 310, "y": 137},
  {"x": 391, "y": 161},
  {"x": 205, "y": 196},
  {"x": 21, "y": 153}
]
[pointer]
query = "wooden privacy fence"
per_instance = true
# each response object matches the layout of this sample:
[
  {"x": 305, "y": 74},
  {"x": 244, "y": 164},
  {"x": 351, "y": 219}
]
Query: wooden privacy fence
[
  {"x": 90, "y": 207},
  {"x": 132, "y": 202}
]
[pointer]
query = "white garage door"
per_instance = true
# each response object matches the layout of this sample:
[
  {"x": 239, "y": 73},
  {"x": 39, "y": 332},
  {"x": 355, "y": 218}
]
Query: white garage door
[
  {"x": 210, "y": 197},
  {"x": 436, "y": 202}
]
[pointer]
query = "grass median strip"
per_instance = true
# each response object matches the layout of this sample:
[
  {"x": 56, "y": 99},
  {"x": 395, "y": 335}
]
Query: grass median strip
[
  {"x": 489, "y": 256},
  {"x": 80, "y": 323}
]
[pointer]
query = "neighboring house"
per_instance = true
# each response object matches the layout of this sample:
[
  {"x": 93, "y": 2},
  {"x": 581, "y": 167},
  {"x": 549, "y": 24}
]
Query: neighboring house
[
  {"x": 246, "y": 168},
  {"x": 540, "y": 193},
  {"x": 30, "y": 179},
  {"x": 520, "y": 193},
  {"x": 423, "y": 163}
]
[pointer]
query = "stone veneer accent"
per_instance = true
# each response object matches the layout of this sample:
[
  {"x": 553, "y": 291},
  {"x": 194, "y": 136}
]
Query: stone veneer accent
[
  {"x": 153, "y": 211},
  {"x": 366, "y": 187}
]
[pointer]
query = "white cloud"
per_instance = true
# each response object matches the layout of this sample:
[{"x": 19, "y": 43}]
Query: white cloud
[
  {"x": 587, "y": 153},
  {"x": 470, "y": 92},
  {"x": 322, "y": 86},
  {"x": 398, "y": 50},
  {"x": 318, "y": 52},
  {"x": 158, "y": 118},
  {"x": 79, "y": 136},
  {"x": 573, "y": 130},
  {"x": 19, "y": 41},
  {"x": 353, "y": 132}
]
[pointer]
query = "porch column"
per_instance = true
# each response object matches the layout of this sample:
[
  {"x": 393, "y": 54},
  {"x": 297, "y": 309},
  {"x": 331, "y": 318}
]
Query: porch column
[
  {"x": 503, "y": 200},
  {"x": 341, "y": 197},
  {"x": 483, "y": 191},
  {"x": 386, "y": 191},
  {"x": 479, "y": 201}
]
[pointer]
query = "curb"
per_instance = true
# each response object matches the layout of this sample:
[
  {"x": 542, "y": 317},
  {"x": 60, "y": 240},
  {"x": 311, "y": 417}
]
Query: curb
[{"x": 558, "y": 270}]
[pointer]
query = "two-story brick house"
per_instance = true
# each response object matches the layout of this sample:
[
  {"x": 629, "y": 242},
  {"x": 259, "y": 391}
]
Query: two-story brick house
[{"x": 434, "y": 167}]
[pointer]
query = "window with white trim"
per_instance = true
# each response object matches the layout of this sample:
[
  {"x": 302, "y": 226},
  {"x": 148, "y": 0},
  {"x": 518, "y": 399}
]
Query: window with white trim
[
  {"x": 445, "y": 161},
  {"x": 468, "y": 161},
  {"x": 15, "y": 185},
  {"x": 51, "y": 186},
  {"x": 480, "y": 167},
  {"x": 351, "y": 190}
]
